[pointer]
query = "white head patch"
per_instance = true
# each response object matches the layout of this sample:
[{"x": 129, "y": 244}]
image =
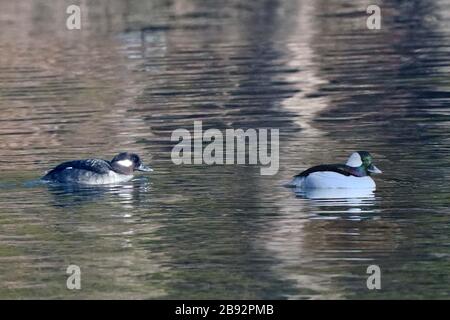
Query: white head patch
[
  {"x": 354, "y": 160},
  {"x": 125, "y": 163}
]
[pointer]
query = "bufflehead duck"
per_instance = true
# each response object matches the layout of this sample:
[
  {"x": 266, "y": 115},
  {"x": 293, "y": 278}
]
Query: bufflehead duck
[
  {"x": 355, "y": 174},
  {"x": 97, "y": 171}
]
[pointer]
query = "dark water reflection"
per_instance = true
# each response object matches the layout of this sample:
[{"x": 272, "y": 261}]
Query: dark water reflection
[{"x": 138, "y": 70}]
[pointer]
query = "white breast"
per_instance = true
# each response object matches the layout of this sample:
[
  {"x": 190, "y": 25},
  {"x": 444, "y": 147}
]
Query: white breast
[
  {"x": 333, "y": 180},
  {"x": 87, "y": 177},
  {"x": 114, "y": 177}
]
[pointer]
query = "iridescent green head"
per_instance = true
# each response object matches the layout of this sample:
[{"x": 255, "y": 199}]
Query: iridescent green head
[{"x": 362, "y": 160}]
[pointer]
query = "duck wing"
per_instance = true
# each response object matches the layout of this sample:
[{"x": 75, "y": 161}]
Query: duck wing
[
  {"x": 339, "y": 168},
  {"x": 94, "y": 165}
]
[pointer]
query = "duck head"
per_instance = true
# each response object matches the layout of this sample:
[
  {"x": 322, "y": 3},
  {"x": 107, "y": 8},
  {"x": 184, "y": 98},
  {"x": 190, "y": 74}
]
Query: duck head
[
  {"x": 127, "y": 163},
  {"x": 363, "y": 161}
]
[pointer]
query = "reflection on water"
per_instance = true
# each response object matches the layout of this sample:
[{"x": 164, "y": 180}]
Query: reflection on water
[
  {"x": 137, "y": 70},
  {"x": 351, "y": 195},
  {"x": 339, "y": 201},
  {"x": 126, "y": 194}
]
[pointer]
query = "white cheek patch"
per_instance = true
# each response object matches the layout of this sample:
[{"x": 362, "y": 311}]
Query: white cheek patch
[
  {"x": 354, "y": 160},
  {"x": 125, "y": 163}
]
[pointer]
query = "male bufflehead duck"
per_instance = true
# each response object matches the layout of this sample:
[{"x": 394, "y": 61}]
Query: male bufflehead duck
[
  {"x": 97, "y": 171},
  {"x": 355, "y": 174}
]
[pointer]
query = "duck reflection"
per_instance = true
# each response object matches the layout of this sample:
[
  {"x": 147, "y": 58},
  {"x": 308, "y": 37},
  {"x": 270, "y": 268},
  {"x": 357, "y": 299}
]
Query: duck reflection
[
  {"x": 351, "y": 195},
  {"x": 127, "y": 194},
  {"x": 330, "y": 202}
]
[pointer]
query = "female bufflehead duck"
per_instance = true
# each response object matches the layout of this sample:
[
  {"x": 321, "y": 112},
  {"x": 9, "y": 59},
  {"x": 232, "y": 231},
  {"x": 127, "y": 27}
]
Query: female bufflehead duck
[
  {"x": 355, "y": 174},
  {"x": 97, "y": 171}
]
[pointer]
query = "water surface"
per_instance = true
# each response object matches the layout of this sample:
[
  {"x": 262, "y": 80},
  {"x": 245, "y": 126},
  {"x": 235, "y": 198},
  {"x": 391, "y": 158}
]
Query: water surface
[{"x": 138, "y": 70}]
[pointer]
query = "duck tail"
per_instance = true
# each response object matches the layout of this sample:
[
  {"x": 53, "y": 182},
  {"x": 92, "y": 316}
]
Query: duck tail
[{"x": 296, "y": 182}]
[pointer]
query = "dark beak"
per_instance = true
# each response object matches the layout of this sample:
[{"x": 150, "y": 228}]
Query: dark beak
[
  {"x": 373, "y": 169},
  {"x": 144, "y": 168}
]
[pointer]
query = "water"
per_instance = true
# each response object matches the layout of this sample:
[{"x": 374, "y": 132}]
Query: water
[{"x": 136, "y": 71}]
